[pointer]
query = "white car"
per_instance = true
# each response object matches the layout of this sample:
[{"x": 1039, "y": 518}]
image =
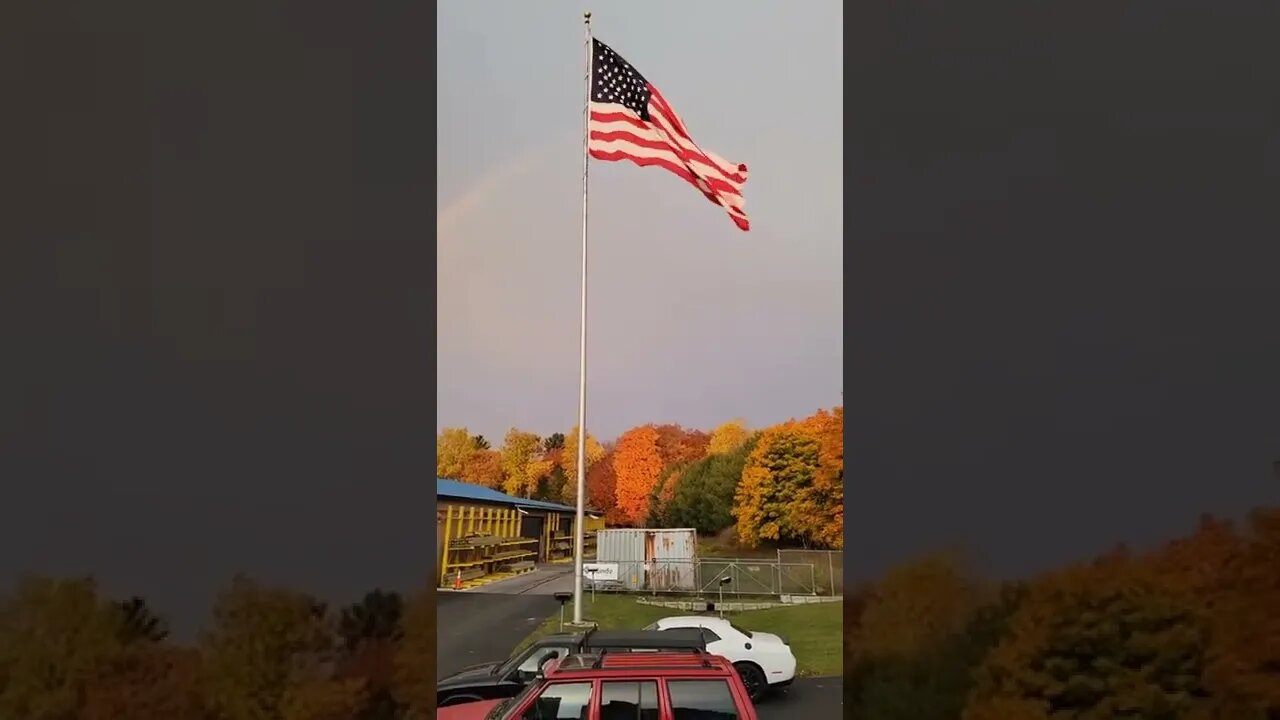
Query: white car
[{"x": 764, "y": 660}]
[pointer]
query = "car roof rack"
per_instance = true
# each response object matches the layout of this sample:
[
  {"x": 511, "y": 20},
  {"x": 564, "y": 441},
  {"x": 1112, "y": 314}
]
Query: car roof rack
[
  {"x": 650, "y": 661},
  {"x": 674, "y": 639}
]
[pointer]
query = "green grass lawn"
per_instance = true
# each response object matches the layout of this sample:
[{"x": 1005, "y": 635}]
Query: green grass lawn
[{"x": 816, "y": 632}]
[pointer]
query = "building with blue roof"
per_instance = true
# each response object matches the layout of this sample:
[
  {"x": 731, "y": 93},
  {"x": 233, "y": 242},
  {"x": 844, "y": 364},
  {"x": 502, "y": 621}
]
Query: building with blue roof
[{"x": 484, "y": 535}]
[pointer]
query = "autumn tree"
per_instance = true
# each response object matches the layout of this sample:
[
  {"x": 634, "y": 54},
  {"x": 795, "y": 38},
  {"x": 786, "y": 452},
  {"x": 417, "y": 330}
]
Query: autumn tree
[
  {"x": 370, "y": 630},
  {"x": 662, "y": 493},
  {"x": 776, "y": 480},
  {"x": 1095, "y": 642},
  {"x": 1244, "y": 659},
  {"x": 677, "y": 447},
  {"x": 454, "y": 446},
  {"x": 554, "y": 441},
  {"x": 680, "y": 446},
  {"x": 270, "y": 656},
  {"x": 483, "y": 468},
  {"x": 415, "y": 660},
  {"x": 637, "y": 463},
  {"x": 602, "y": 483},
  {"x": 148, "y": 681},
  {"x": 56, "y": 638},
  {"x": 523, "y": 464},
  {"x": 821, "y": 505},
  {"x": 919, "y": 636},
  {"x": 702, "y": 496},
  {"x": 728, "y": 437},
  {"x": 569, "y": 463}
]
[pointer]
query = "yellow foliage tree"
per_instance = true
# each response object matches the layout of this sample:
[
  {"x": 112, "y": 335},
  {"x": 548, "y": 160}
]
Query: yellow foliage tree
[
  {"x": 728, "y": 437},
  {"x": 786, "y": 494},
  {"x": 523, "y": 463},
  {"x": 569, "y": 462},
  {"x": 454, "y": 446}
]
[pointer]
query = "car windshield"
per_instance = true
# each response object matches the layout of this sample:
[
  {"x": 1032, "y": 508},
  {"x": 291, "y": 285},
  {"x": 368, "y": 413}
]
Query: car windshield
[
  {"x": 513, "y": 662},
  {"x": 497, "y": 710}
]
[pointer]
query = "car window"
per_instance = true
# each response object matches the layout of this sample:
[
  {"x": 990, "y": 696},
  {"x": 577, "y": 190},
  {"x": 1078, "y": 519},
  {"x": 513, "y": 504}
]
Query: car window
[
  {"x": 701, "y": 700},
  {"x": 535, "y": 659},
  {"x": 560, "y": 701},
  {"x": 709, "y": 636},
  {"x": 629, "y": 700}
]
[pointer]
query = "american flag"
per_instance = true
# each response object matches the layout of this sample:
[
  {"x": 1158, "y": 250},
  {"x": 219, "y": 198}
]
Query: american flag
[{"x": 630, "y": 120}]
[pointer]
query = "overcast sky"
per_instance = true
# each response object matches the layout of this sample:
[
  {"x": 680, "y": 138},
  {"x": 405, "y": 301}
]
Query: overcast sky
[{"x": 690, "y": 320}]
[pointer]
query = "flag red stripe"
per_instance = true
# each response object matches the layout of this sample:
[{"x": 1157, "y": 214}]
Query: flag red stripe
[
  {"x": 688, "y": 154},
  {"x": 677, "y": 124},
  {"x": 633, "y": 139},
  {"x": 676, "y": 169}
]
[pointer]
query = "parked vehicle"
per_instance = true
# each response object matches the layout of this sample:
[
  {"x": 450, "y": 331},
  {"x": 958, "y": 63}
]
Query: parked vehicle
[
  {"x": 764, "y": 660},
  {"x": 497, "y": 680},
  {"x": 622, "y": 686}
]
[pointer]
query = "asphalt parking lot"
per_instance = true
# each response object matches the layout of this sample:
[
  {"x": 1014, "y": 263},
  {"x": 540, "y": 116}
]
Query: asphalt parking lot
[
  {"x": 474, "y": 627},
  {"x": 467, "y": 633},
  {"x": 814, "y": 698}
]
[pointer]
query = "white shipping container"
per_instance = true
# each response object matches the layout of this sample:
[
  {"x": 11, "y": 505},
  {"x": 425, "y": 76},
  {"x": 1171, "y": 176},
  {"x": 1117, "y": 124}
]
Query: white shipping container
[{"x": 660, "y": 559}]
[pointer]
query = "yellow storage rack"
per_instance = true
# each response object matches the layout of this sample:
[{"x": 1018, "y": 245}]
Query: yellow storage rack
[{"x": 482, "y": 545}]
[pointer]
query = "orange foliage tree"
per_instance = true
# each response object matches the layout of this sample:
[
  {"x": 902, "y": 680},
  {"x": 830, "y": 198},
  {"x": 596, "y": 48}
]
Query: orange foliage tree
[
  {"x": 637, "y": 463},
  {"x": 602, "y": 485},
  {"x": 820, "y": 510},
  {"x": 678, "y": 445},
  {"x": 484, "y": 468}
]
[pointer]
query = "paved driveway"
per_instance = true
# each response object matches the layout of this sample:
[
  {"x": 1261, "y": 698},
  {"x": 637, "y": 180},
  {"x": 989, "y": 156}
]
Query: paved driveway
[
  {"x": 476, "y": 627},
  {"x": 809, "y": 699}
]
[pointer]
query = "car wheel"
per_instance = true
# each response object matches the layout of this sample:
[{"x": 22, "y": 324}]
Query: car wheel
[
  {"x": 458, "y": 700},
  {"x": 753, "y": 677}
]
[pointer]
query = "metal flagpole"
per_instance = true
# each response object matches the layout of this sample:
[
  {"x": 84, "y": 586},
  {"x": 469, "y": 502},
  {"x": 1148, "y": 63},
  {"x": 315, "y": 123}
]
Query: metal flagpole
[{"x": 582, "y": 338}]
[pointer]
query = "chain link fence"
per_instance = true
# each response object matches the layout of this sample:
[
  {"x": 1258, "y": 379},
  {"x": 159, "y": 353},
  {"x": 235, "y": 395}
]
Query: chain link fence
[
  {"x": 828, "y": 568},
  {"x": 745, "y": 576}
]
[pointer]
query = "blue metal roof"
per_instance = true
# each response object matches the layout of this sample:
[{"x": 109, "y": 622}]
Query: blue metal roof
[{"x": 467, "y": 491}]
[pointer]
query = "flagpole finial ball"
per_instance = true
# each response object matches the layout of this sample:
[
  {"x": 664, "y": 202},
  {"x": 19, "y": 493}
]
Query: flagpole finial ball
[{"x": 586, "y": 16}]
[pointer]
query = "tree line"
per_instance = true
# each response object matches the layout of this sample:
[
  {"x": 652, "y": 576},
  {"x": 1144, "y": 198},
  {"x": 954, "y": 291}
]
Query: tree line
[
  {"x": 69, "y": 653},
  {"x": 1188, "y": 631},
  {"x": 781, "y": 484}
]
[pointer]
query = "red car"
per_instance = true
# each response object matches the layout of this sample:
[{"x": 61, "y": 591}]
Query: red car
[{"x": 623, "y": 686}]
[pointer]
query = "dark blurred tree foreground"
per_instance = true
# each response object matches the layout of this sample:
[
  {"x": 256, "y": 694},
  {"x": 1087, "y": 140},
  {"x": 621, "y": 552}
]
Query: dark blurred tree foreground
[
  {"x": 68, "y": 653},
  {"x": 1188, "y": 631}
]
